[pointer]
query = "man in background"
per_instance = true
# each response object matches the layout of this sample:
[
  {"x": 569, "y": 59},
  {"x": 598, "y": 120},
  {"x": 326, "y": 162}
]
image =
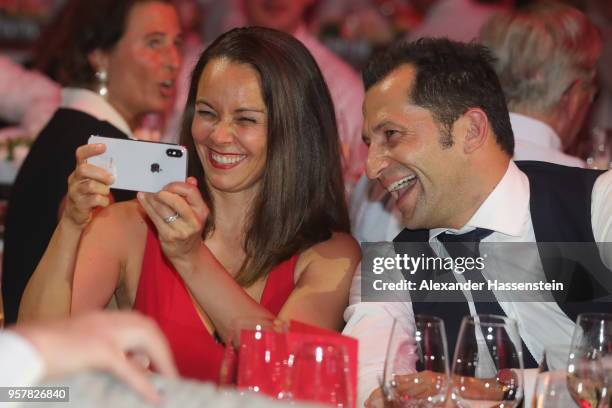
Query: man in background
[{"x": 547, "y": 58}]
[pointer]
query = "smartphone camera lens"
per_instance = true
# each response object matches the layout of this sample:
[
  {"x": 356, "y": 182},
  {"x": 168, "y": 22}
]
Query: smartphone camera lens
[{"x": 174, "y": 153}]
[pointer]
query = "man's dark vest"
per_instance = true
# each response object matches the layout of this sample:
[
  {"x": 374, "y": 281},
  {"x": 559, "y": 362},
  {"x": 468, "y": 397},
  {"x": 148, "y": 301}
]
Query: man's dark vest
[{"x": 560, "y": 204}]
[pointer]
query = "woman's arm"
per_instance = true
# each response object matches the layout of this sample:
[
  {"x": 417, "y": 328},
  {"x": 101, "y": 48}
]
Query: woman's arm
[
  {"x": 321, "y": 293},
  {"x": 48, "y": 293},
  {"x": 322, "y": 290},
  {"x": 112, "y": 244}
]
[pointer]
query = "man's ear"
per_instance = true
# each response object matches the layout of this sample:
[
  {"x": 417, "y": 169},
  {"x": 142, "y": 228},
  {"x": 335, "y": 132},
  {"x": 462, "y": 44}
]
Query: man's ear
[
  {"x": 98, "y": 60},
  {"x": 477, "y": 129},
  {"x": 572, "y": 100}
]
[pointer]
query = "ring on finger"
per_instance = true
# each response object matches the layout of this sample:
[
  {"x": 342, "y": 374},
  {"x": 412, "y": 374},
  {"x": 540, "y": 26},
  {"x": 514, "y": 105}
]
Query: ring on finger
[{"x": 171, "y": 218}]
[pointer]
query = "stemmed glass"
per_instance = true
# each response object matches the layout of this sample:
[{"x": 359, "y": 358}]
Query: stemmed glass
[
  {"x": 416, "y": 372},
  {"x": 588, "y": 378},
  {"x": 551, "y": 387},
  {"x": 319, "y": 372},
  {"x": 601, "y": 153},
  {"x": 1, "y": 307},
  {"x": 488, "y": 363}
]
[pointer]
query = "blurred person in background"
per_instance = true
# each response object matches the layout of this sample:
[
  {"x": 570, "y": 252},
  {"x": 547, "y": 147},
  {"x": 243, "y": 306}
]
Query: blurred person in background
[
  {"x": 28, "y": 101},
  {"x": 458, "y": 20},
  {"x": 600, "y": 12},
  {"x": 191, "y": 15},
  {"x": 290, "y": 16},
  {"x": 547, "y": 56},
  {"x": 95, "y": 341},
  {"x": 117, "y": 61}
]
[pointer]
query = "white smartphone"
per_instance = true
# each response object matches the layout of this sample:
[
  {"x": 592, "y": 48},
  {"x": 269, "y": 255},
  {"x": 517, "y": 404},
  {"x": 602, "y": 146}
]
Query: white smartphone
[{"x": 140, "y": 165}]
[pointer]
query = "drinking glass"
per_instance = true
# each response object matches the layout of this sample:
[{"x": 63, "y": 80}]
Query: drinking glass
[
  {"x": 318, "y": 372},
  {"x": 551, "y": 391},
  {"x": 256, "y": 357},
  {"x": 416, "y": 372},
  {"x": 555, "y": 358},
  {"x": 551, "y": 387},
  {"x": 1, "y": 306},
  {"x": 488, "y": 363},
  {"x": 606, "y": 366},
  {"x": 591, "y": 347},
  {"x": 601, "y": 152}
]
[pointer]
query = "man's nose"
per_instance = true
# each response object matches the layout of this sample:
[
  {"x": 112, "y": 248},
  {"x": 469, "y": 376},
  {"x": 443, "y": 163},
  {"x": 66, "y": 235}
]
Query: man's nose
[{"x": 376, "y": 162}]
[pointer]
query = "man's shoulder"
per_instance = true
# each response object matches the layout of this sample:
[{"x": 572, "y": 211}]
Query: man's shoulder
[
  {"x": 526, "y": 151},
  {"x": 541, "y": 168}
]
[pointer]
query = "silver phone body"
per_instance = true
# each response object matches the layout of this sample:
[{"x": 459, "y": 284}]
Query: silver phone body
[{"x": 139, "y": 165}]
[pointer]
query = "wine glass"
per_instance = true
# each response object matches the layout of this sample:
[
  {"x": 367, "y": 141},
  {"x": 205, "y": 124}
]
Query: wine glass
[
  {"x": 416, "y": 372},
  {"x": 551, "y": 387},
  {"x": 601, "y": 152},
  {"x": 1, "y": 305},
  {"x": 256, "y": 357},
  {"x": 606, "y": 366},
  {"x": 319, "y": 372},
  {"x": 591, "y": 347},
  {"x": 555, "y": 358},
  {"x": 488, "y": 363}
]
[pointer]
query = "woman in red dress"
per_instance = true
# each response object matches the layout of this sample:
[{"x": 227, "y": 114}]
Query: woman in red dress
[{"x": 260, "y": 228}]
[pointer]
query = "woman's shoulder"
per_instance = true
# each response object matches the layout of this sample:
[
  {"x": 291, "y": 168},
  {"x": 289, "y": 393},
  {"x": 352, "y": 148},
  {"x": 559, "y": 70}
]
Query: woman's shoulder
[
  {"x": 340, "y": 243},
  {"x": 126, "y": 218},
  {"x": 339, "y": 253}
]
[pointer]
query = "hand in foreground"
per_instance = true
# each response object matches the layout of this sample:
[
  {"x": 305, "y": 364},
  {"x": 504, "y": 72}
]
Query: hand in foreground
[
  {"x": 376, "y": 399},
  {"x": 417, "y": 386},
  {"x": 100, "y": 341},
  {"x": 88, "y": 187},
  {"x": 179, "y": 214}
]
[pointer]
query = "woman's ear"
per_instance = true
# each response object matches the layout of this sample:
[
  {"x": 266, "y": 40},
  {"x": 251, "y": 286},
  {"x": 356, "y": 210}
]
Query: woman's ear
[
  {"x": 98, "y": 60},
  {"x": 477, "y": 129}
]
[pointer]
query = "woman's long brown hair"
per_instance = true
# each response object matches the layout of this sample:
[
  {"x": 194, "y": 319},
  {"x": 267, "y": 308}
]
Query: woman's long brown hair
[{"x": 301, "y": 200}]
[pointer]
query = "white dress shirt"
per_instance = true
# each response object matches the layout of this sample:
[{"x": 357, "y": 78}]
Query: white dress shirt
[
  {"x": 21, "y": 364},
  {"x": 506, "y": 211},
  {"x": 535, "y": 140}
]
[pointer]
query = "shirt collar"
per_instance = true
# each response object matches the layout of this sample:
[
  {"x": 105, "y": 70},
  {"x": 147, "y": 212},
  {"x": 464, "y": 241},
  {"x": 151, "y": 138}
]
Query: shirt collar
[
  {"x": 95, "y": 105},
  {"x": 505, "y": 210},
  {"x": 534, "y": 131}
]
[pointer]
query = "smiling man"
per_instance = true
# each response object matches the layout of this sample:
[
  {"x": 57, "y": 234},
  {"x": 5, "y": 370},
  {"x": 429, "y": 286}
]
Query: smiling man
[{"x": 440, "y": 140}]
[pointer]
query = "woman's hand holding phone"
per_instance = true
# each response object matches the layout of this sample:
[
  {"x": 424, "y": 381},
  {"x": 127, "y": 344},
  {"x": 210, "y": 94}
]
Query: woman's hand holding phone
[
  {"x": 88, "y": 187},
  {"x": 179, "y": 214}
]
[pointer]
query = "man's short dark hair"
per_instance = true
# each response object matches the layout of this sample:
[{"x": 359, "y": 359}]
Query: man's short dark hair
[{"x": 451, "y": 77}]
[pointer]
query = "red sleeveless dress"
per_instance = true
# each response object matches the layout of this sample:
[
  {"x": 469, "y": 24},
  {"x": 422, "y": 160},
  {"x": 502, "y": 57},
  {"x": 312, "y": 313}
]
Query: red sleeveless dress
[{"x": 162, "y": 295}]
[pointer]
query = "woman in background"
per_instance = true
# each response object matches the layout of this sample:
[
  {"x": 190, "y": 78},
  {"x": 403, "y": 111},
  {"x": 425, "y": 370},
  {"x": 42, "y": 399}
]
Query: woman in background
[
  {"x": 117, "y": 60},
  {"x": 260, "y": 228}
]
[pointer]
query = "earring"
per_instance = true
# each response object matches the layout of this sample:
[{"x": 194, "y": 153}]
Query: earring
[{"x": 102, "y": 78}]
